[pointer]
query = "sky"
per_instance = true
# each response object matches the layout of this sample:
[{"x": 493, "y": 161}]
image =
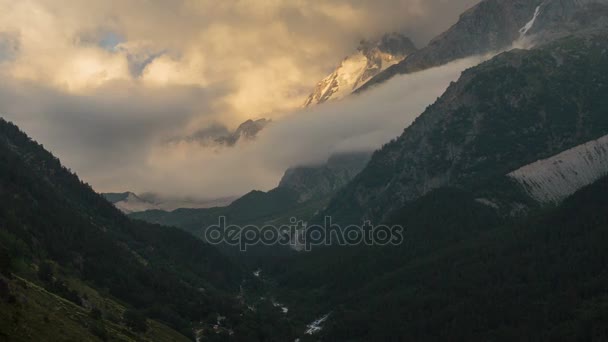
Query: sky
[{"x": 108, "y": 85}]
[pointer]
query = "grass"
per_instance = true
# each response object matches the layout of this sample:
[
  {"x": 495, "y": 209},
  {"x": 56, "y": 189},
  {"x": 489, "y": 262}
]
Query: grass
[{"x": 38, "y": 315}]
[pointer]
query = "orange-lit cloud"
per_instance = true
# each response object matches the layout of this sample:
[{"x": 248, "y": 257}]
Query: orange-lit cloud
[{"x": 114, "y": 79}]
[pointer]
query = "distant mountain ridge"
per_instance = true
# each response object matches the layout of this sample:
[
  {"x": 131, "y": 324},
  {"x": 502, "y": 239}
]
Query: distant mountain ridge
[
  {"x": 129, "y": 202},
  {"x": 302, "y": 192}
]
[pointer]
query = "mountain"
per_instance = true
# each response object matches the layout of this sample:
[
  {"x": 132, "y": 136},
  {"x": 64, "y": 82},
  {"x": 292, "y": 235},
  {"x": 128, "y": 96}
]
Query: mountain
[
  {"x": 500, "y": 186},
  {"x": 371, "y": 58},
  {"x": 302, "y": 192},
  {"x": 75, "y": 267},
  {"x": 496, "y": 25},
  {"x": 518, "y": 108},
  {"x": 129, "y": 202}
]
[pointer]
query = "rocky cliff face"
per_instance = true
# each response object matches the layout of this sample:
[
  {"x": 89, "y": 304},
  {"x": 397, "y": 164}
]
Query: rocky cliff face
[
  {"x": 521, "y": 106},
  {"x": 371, "y": 58}
]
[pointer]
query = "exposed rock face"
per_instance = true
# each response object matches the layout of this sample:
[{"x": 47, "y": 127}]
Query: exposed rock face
[
  {"x": 311, "y": 182},
  {"x": 519, "y": 107},
  {"x": 557, "y": 177},
  {"x": 371, "y": 58},
  {"x": 247, "y": 130}
]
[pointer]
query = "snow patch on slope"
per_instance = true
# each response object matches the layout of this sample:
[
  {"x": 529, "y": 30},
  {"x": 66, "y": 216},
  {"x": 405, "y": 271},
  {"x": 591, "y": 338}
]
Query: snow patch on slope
[
  {"x": 553, "y": 179},
  {"x": 284, "y": 308},
  {"x": 316, "y": 326}
]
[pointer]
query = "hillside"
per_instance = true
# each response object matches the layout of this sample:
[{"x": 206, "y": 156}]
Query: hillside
[{"x": 61, "y": 235}]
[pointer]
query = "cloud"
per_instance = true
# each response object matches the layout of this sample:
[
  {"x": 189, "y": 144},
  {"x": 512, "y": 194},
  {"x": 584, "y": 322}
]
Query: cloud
[
  {"x": 104, "y": 134},
  {"x": 125, "y": 141},
  {"x": 359, "y": 123},
  {"x": 271, "y": 52},
  {"x": 105, "y": 84}
]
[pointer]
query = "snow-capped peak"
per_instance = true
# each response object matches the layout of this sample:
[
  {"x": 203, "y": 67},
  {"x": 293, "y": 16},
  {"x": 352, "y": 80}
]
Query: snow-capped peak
[
  {"x": 371, "y": 58},
  {"x": 133, "y": 203}
]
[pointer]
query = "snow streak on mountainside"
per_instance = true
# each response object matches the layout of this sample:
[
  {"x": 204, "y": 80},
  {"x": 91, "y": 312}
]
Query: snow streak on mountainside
[
  {"x": 524, "y": 30},
  {"x": 355, "y": 70},
  {"x": 557, "y": 177}
]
